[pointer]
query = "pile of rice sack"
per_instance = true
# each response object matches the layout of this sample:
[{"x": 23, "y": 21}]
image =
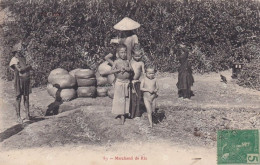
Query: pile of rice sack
[
  {"x": 87, "y": 82},
  {"x": 105, "y": 81},
  {"x": 82, "y": 82},
  {"x": 66, "y": 82}
]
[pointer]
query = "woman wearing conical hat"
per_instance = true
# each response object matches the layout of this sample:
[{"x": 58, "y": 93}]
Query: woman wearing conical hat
[{"x": 127, "y": 36}]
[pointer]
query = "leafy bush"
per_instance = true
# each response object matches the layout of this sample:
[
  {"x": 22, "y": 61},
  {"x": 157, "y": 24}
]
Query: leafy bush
[
  {"x": 75, "y": 33},
  {"x": 250, "y": 74}
]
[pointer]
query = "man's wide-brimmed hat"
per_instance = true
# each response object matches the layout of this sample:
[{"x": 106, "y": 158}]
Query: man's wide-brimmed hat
[
  {"x": 126, "y": 24},
  {"x": 17, "y": 47}
]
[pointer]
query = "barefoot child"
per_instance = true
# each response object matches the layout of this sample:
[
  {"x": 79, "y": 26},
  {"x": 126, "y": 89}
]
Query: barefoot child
[
  {"x": 138, "y": 67},
  {"x": 21, "y": 81},
  {"x": 150, "y": 87},
  {"x": 122, "y": 67}
]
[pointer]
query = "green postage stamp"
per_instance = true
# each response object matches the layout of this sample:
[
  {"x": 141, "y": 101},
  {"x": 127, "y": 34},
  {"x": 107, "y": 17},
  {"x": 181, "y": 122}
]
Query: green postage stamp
[{"x": 238, "y": 147}]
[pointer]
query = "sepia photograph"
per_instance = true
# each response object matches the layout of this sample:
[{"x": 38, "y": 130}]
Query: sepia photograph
[{"x": 126, "y": 82}]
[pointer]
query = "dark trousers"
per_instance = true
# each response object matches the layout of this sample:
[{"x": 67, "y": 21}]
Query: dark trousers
[{"x": 135, "y": 100}]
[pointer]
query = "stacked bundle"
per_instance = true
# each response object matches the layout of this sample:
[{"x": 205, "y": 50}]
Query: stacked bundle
[
  {"x": 72, "y": 73},
  {"x": 102, "y": 84},
  {"x": 87, "y": 82},
  {"x": 65, "y": 81},
  {"x": 105, "y": 80},
  {"x": 110, "y": 92}
]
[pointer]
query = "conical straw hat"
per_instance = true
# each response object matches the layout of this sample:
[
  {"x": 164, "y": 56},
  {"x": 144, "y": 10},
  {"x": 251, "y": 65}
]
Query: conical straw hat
[{"x": 127, "y": 24}]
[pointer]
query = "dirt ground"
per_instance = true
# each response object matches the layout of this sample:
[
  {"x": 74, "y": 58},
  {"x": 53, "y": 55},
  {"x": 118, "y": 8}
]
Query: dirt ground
[{"x": 189, "y": 126}]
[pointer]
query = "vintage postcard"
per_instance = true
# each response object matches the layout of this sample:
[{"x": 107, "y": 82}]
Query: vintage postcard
[{"x": 104, "y": 82}]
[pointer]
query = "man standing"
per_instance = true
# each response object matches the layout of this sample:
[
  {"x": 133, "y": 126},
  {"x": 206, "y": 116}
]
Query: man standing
[{"x": 21, "y": 80}]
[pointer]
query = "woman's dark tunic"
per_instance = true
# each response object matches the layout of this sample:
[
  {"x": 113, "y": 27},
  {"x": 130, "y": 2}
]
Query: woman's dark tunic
[{"x": 185, "y": 78}]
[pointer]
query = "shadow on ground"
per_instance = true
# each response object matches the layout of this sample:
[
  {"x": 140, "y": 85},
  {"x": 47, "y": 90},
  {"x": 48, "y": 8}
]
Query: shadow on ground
[
  {"x": 17, "y": 128},
  {"x": 158, "y": 116}
]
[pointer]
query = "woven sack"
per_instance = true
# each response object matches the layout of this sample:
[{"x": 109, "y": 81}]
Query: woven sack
[
  {"x": 87, "y": 91},
  {"x": 86, "y": 82},
  {"x": 72, "y": 72},
  {"x": 102, "y": 91},
  {"x": 103, "y": 68},
  {"x": 68, "y": 94},
  {"x": 85, "y": 74},
  {"x": 110, "y": 92},
  {"x": 55, "y": 72},
  {"x": 51, "y": 90},
  {"x": 65, "y": 80},
  {"x": 111, "y": 78}
]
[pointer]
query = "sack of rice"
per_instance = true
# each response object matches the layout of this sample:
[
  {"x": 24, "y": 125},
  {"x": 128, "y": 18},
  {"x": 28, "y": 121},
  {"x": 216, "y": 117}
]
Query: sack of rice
[
  {"x": 101, "y": 81},
  {"x": 85, "y": 74},
  {"x": 68, "y": 94},
  {"x": 111, "y": 78},
  {"x": 110, "y": 92},
  {"x": 51, "y": 90},
  {"x": 103, "y": 68},
  {"x": 102, "y": 91},
  {"x": 87, "y": 91},
  {"x": 65, "y": 81},
  {"x": 72, "y": 73},
  {"x": 55, "y": 72},
  {"x": 87, "y": 82}
]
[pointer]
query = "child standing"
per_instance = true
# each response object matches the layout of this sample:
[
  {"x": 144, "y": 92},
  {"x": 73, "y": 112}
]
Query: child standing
[
  {"x": 122, "y": 69},
  {"x": 21, "y": 80},
  {"x": 138, "y": 68},
  {"x": 150, "y": 87}
]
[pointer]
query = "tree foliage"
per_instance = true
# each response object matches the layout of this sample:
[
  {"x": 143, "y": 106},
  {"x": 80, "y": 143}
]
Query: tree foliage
[{"x": 75, "y": 33}]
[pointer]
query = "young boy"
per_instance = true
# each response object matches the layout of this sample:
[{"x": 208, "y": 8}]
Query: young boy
[
  {"x": 150, "y": 87},
  {"x": 138, "y": 68},
  {"x": 122, "y": 67},
  {"x": 21, "y": 81}
]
